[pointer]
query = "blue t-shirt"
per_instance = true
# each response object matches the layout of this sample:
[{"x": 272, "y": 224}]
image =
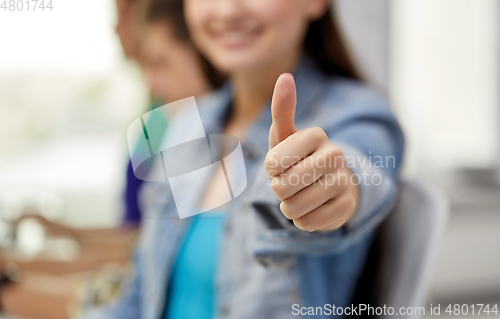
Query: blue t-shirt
[{"x": 191, "y": 292}]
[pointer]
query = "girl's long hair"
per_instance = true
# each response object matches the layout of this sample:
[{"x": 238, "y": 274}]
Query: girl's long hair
[{"x": 325, "y": 44}]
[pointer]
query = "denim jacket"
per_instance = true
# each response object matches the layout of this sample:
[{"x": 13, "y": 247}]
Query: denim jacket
[{"x": 269, "y": 268}]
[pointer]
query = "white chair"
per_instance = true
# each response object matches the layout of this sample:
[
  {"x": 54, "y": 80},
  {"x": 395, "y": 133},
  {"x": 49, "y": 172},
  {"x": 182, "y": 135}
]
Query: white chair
[{"x": 405, "y": 252}]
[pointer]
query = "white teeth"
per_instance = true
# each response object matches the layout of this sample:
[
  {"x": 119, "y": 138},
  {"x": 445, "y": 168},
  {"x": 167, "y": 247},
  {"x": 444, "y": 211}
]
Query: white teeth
[{"x": 235, "y": 36}]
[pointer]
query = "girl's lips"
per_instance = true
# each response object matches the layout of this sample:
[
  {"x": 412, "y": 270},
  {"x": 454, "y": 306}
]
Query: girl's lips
[{"x": 236, "y": 39}]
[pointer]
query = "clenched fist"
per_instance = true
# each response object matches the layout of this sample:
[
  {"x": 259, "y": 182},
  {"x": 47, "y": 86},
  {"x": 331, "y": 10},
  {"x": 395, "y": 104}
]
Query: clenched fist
[{"x": 308, "y": 173}]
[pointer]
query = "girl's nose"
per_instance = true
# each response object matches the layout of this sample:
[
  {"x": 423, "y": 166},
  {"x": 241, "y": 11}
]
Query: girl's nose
[{"x": 230, "y": 9}]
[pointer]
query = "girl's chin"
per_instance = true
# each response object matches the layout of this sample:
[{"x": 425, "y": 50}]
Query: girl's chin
[{"x": 237, "y": 63}]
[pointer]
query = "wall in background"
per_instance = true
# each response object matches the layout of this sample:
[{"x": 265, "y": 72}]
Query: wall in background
[
  {"x": 366, "y": 27},
  {"x": 444, "y": 82},
  {"x": 67, "y": 95}
]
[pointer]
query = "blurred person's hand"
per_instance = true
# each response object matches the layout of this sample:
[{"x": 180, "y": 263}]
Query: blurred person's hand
[
  {"x": 39, "y": 295},
  {"x": 52, "y": 228},
  {"x": 59, "y": 229},
  {"x": 308, "y": 172},
  {"x": 89, "y": 247}
]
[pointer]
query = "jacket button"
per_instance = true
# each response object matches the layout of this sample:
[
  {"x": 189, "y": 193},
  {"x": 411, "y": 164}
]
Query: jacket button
[
  {"x": 224, "y": 310},
  {"x": 248, "y": 153},
  {"x": 229, "y": 228}
]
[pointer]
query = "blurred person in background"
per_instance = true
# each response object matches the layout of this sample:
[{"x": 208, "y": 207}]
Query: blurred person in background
[
  {"x": 173, "y": 68},
  {"x": 279, "y": 244},
  {"x": 153, "y": 34}
]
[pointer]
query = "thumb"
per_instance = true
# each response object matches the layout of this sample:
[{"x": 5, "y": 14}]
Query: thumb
[{"x": 283, "y": 109}]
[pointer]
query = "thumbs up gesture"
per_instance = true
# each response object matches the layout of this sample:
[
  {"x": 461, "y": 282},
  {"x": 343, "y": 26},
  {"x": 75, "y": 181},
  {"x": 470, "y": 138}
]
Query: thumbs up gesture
[{"x": 308, "y": 173}]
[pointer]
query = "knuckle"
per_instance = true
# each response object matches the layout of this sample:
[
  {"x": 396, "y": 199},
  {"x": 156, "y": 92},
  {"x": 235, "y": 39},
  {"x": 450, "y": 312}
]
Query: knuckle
[
  {"x": 284, "y": 209},
  {"x": 289, "y": 210},
  {"x": 271, "y": 164},
  {"x": 337, "y": 224},
  {"x": 335, "y": 152},
  {"x": 268, "y": 161},
  {"x": 352, "y": 202},
  {"x": 351, "y": 205},
  {"x": 348, "y": 204},
  {"x": 278, "y": 188},
  {"x": 333, "y": 190},
  {"x": 304, "y": 224},
  {"x": 316, "y": 133}
]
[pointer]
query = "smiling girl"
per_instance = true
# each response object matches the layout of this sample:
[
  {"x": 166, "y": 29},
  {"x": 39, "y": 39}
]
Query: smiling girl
[{"x": 298, "y": 236}]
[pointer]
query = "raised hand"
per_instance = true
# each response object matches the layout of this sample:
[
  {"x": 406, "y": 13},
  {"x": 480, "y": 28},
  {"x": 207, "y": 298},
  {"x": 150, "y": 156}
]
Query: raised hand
[{"x": 308, "y": 173}]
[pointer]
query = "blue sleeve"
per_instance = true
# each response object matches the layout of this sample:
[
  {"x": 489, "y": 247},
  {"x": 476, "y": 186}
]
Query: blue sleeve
[{"x": 373, "y": 152}]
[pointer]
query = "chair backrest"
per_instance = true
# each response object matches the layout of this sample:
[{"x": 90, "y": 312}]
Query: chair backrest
[
  {"x": 399, "y": 267},
  {"x": 408, "y": 246}
]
